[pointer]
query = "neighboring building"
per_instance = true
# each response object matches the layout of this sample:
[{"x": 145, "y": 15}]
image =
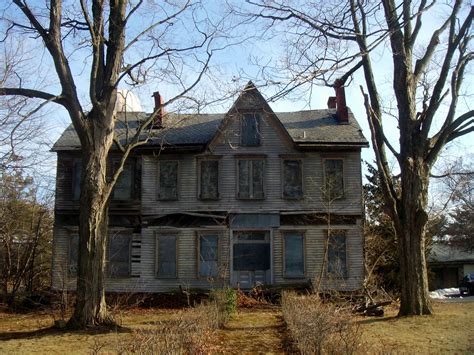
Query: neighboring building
[
  {"x": 239, "y": 198},
  {"x": 448, "y": 264}
]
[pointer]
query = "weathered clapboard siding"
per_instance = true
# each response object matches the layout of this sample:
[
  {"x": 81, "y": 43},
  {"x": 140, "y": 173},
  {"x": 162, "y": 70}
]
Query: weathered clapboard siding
[
  {"x": 273, "y": 147},
  {"x": 314, "y": 254}
]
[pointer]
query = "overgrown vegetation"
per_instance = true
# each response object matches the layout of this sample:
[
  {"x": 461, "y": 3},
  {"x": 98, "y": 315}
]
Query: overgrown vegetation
[
  {"x": 317, "y": 327},
  {"x": 226, "y": 301}
]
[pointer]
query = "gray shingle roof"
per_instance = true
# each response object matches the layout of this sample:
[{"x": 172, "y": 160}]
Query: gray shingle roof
[
  {"x": 446, "y": 253},
  {"x": 304, "y": 127}
]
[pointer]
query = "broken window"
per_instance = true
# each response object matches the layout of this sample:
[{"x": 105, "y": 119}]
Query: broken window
[
  {"x": 76, "y": 179},
  {"x": 337, "y": 258},
  {"x": 251, "y": 175},
  {"x": 168, "y": 180},
  {"x": 166, "y": 253},
  {"x": 118, "y": 257},
  {"x": 294, "y": 255},
  {"x": 123, "y": 186},
  {"x": 208, "y": 255},
  {"x": 209, "y": 179},
  {"x": 333, "y": 178},
  {"x": 292, "y": 179},
  {"x": 250, "y": 129},
  {"x": 73, "y": 255}
]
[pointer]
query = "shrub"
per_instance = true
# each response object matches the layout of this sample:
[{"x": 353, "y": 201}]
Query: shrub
[
  {"x": 226, "y": 301},
  {"x": 319, "y": 328}
]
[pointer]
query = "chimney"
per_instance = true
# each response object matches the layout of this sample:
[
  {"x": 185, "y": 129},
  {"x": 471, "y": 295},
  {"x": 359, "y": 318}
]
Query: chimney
[
  {"x": 332, "y": 102},
  {"x": 161, "y": 110},
  {"x": 342, "y": 112}
]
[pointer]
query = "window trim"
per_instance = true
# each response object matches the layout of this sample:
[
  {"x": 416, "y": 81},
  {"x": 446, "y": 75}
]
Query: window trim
[
  {"x": 129, "y": 235},
  {"x": 159, "y": 235},
  {"x": 199, "y": 162},
  {"x": 343, "y": 196},
  {"x": 199, "y": 234},
  {"x": 115, "y": 163},
  {"x": 284, "y": 236},
  {"x": 282, "y": 184},
  {"x": 250, "y": 158},
  {"x": 178, "y": 180},
  {"x": 332, "y": 275},
  {"x": 258, "y": 117}
]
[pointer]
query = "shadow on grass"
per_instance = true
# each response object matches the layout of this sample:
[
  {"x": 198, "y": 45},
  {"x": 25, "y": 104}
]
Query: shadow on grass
[
  {"x": 53, "y": 331},
  {"x": 377, "y": 320}
]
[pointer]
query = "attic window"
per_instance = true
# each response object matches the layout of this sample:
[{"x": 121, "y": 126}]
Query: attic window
[{"x": 250, "y": 129}]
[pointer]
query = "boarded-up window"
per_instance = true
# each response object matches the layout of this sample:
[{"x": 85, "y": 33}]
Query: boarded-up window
[
  {"x": 123, "y": 186},
  {"x": 250, "y": 129},
  {"x": 294, "y": 254},
  {"x": 76, "y": 179},
  {"x": 119, "y": 255},
  {"x": 292, "y": 179},
  {"x": 73, "y": 255},
  {"x": 251, "y": 176},
  {"x": 337, "y": 262},
  {"x": 208, "y": 255},
  {"x": 209, "y": 179},
  {"x": 168, "y": 180},
  {"x": 333, "y": 178},
  {"x": 166, "y": 255}
]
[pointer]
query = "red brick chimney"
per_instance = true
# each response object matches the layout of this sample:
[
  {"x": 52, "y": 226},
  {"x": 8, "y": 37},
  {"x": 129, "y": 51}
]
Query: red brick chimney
[
  {"x": 332, "y": 102},
  {"x": 342, "y": 112},
  {"x": 160, "y": 108}
]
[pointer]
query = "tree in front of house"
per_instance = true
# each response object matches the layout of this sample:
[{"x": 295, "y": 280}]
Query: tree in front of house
[
  {"x": 116, "y": 41},
  {"x": 429, "y": 61}
]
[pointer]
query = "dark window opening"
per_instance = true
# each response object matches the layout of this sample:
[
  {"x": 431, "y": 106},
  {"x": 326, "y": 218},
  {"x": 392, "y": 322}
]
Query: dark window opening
[
  {"x": 166, "y": 256},
  {"x": 209, "y": 179},
  {"x": 73, "y": 255},
  {"x": 292, "y": 179},
  {"x": 76, "y": 179},
  {"x": 337, "y": 258},
  {"x": 123, "y": 186},
  {"x": 119, "y": 255},
  {"x": 168, "y": 180},
  {"x": 334, "y": 178},
  {"x": 208, "y": 255},
  {"x": 294, "y": 255},
  {"x": 250, "y": 129}
]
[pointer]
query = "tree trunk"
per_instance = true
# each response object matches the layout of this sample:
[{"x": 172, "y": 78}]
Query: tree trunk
[
  {"x": 90, "y": 309},
  {"x": 411, "y": 232}
]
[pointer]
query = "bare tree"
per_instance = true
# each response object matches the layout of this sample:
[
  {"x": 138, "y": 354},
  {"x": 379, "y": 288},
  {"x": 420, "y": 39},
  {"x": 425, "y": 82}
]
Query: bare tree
[
  {"x": 333, "y": 39},
  {"x": 117, "y": 41}
]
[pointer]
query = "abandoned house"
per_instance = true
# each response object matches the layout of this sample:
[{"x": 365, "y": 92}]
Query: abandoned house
[{"x": 242, "y": 198}]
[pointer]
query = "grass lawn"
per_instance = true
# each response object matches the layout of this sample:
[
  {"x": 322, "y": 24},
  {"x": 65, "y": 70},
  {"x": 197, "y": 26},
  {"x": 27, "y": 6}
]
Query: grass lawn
[{"x": 450, "y": 330}]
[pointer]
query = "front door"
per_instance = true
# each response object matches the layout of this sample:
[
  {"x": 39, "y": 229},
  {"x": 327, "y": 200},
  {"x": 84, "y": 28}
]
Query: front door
[{"x": 251, "y": 261}]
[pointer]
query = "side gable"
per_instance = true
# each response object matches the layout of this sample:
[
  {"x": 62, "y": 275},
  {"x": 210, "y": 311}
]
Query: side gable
[{"x": 250, "y": 100}]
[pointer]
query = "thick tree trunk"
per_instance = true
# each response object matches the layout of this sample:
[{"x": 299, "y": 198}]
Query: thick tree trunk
[
  {"x": 411, "y": 232},
  {"x": 90, "y": 309}
]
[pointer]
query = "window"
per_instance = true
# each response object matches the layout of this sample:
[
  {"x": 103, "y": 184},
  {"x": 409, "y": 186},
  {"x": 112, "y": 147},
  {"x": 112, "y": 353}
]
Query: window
[
  {"x": 168, "y": 180},
  {"x": 333, "y": 178},
  {"x": 337, "y": 255},
  {"x": 123, "y": 186},
  {"x": 209, "y": 179},
  {"x": 251, "y": 250},
  {"x": 251, "y": 176},
  {"x": 73, "y": 254},
  {"x": 119, "y": 250},
  {"x": 250, "y": 129},
  {"x": 76, "y": 179},
  {"x": 292, "y": 178},
  {"x": 166, "y": 254},
  {"x": 294, "y": 255},
  {"x": 208, "y": 255}
]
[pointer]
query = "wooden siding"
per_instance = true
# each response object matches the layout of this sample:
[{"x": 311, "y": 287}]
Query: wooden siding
[{"x": 273, "y": 147}]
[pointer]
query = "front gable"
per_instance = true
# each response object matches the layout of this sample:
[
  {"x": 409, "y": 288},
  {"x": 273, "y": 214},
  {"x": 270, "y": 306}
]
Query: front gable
[{"x": 250, "y": 124}]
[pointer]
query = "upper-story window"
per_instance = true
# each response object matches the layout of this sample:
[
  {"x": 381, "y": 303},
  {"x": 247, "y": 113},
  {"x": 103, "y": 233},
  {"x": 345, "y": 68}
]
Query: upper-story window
[
  {"x": 250, "y": 129},
  {"x": 76, "y": 179},
  {"x": 168, "y": 180},
  {"x": 209, "y": 179},
  {"x": 123, "y": 186},
  {"x": 292, "y": 179},
  {"x": 333, "y": 178},
  {"x": 251, "y": 178}
]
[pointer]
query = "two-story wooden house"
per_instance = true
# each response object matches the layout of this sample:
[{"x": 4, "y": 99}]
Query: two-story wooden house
[{"x": 242, "y": 198}]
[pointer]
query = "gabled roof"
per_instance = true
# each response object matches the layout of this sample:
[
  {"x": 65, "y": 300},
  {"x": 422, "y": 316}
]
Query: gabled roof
[{"x": 304, "y": 128}]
